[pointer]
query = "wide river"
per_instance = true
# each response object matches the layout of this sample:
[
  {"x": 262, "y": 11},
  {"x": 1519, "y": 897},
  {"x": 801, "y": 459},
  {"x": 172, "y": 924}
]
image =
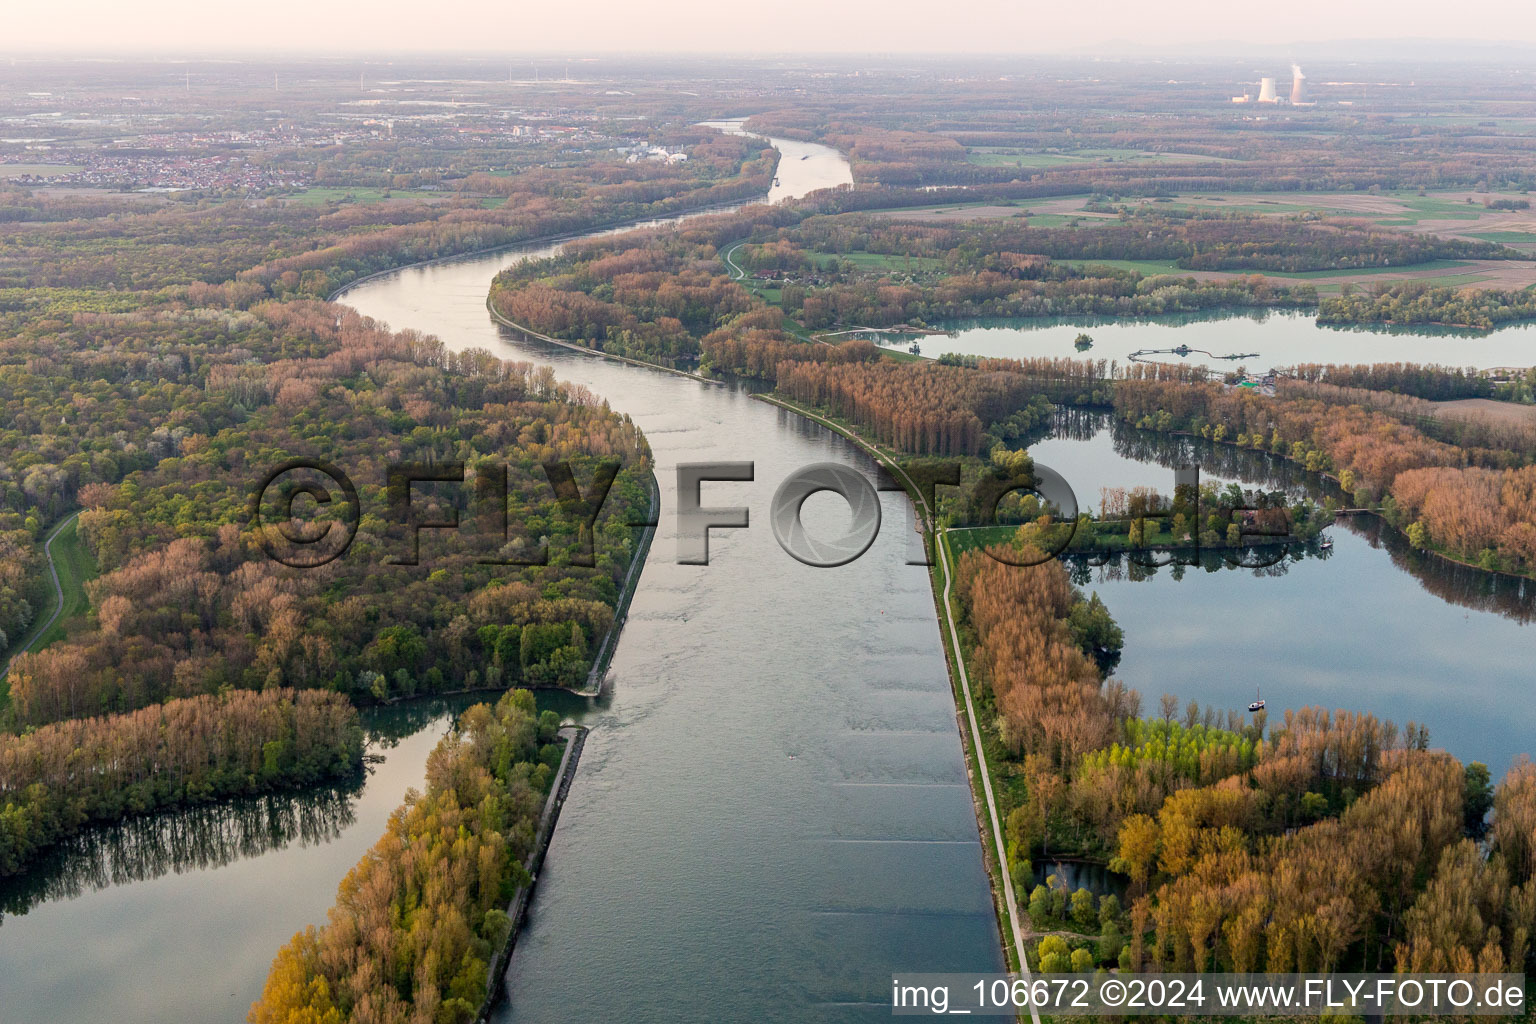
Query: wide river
[{"x": 771, "y": 815}]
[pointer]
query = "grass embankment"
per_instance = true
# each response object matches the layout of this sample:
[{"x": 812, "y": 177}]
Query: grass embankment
[
  {"x": 1007, "y": 788},
  {"x": 75, "y": 567}
]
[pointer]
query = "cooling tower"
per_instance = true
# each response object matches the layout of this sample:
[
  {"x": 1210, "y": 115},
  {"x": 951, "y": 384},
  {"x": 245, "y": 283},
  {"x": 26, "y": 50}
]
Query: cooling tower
[
  {"x": 1266, "y": 90},
  {"x": 1298, "y": 85}
]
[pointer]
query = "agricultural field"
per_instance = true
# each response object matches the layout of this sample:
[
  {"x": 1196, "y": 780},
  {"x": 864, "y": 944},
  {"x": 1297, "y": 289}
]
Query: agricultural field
[
  {"x": 882, "y": 262},
  {"x": 998, "y": 156},
  {"x": 320, "y": 195},
  {"x": 41, "y": 170}
]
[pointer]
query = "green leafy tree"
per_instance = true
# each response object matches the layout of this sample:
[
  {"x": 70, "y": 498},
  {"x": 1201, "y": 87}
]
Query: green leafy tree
[
  {"x": 1082, "y": 908},
  {"x": 1477, "y": 800},
  {"x": 1039, "y": 905},
  {"x": 1111, "y": 942},
  {"x": 1053, "y": 955}
]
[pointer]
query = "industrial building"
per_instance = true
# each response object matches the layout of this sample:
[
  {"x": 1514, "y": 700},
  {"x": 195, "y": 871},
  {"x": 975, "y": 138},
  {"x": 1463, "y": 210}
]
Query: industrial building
[
  {"x": 1270, "y": 95},
  {"x": 1298, "y": 86}
]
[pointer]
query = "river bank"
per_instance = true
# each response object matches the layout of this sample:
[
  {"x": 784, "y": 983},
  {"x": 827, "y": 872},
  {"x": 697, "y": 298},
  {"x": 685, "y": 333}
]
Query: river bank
[
  {"x": 528, "y": 332},
  {"x": 1377, "y": 514},
  {"x": 575, "y": 738},
  {"x": 538, "y": 241}
]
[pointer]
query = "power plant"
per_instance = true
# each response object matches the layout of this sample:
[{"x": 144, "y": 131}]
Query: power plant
[
  {"x": 1298, "y": 86},
  {"x": 1269, "y": 95}
]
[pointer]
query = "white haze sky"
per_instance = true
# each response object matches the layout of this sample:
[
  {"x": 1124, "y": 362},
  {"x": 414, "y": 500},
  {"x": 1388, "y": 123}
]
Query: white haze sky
[{"x": 169, "y": 27}]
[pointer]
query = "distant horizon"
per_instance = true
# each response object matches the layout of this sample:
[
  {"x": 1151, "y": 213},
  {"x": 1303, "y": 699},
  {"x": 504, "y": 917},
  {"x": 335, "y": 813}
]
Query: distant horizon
[
  {"x": 1437, "y": 51},
  {"x": 690, "y": 28}
]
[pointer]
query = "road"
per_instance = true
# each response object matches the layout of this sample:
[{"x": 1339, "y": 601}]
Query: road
[
  {"x": 736, "y": 272},
  {"x": 58, "y": 592},
  {"x": 981, "y": 762}
]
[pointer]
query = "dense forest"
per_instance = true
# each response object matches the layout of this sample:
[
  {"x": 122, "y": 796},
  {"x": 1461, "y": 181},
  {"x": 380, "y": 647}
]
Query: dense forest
[
  {"x": 1431, "y": 382},
  {"x": 1197, "y": 240},
  {"x": 417, "y": 922},
  {"x": 198, "y": 251},
  {"x": 130, "y": 334},
  {"x": 1221, "y": 827},
  {"x": 667, "y": 296},
  {"x": 160, "y": 352},
  {"x": 159, "y": 357},
  {"x": 942, "y": 408},
  {"x": 1412, "y": 302},
  {"x": 60, "y": 778},
  {"x": 188, "y": 600}
]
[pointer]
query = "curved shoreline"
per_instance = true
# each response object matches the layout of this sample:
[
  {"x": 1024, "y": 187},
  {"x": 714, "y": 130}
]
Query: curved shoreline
[
  {"x": 542, "y": 240},
  {"x": 496, "y": 980},
  {"x": 1376, "y": 514},
  {"x": 505, "y": 321}
]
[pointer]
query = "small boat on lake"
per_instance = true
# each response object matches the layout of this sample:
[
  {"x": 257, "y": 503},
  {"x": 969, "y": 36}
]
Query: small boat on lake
[
  {"x": 1258, "y": 702},
  {"x": 1326, "y": 545}
]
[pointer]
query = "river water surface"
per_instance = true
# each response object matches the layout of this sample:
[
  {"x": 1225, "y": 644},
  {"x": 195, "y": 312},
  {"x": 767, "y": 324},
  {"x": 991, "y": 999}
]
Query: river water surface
[{"x": 771, "y": 816}]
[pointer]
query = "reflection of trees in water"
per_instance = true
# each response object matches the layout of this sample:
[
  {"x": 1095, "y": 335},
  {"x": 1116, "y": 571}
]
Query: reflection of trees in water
[
  {"x": 387, "y": 724},
  {"x": 1229, "y": 462},
  {"x": 194, "y": 839},
  {"x": 1257, "y": 469},
  {"x": 1027, "y": 324},
  {"x": 1462, "y": 585},
  {"x": 1078, "y": 424},
  {"x": 214, "y": 835},
  {"x": 1086, "y": 570}
]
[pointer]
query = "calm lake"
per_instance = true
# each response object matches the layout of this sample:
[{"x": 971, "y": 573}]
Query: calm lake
[
  {"x": 1280, "y": 338},
  {"x": 1371, "y": 625}
]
